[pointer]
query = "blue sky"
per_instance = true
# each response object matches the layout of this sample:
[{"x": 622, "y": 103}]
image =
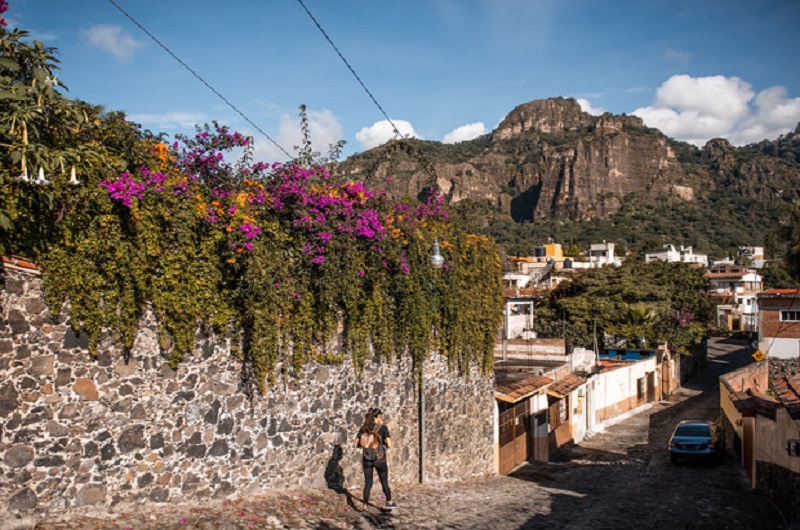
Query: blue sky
[{"x": 443, "y": 70}]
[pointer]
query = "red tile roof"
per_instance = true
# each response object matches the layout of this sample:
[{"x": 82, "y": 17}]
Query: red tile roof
[
  {"x": 20, "y": 264},
  {"x": 779, "y": 292},
  {"x": 788, "y": 391},
  {"x": 754, "y": 401},
  {"x": 512, "y": 389},
  {"x": 565, "y": 385}
]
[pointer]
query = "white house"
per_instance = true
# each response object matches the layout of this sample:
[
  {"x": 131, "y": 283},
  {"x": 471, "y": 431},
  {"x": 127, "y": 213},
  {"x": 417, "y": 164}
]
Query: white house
[
  {"x": 601, "y": 254},
  {"x": 738, "y": 286},
  {"x": 672, "y": 255}
]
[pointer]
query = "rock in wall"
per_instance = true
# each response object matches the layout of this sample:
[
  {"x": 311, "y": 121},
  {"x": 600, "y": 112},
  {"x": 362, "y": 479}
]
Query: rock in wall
[{"x": 77, "y": 431}]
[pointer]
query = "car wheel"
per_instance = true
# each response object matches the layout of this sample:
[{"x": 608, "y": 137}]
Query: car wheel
[{"x": 674, "y": 459}]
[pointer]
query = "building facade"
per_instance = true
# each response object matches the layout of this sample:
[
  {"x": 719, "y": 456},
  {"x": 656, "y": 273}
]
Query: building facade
[{"x": 779, "y": 323}]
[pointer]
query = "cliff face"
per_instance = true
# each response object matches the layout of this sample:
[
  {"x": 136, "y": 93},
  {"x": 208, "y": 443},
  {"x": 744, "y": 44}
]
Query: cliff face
[{"x": 549, "y": 158}]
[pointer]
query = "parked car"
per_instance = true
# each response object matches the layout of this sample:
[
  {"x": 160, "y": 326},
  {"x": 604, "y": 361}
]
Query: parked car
[{"x": 696, "y": 440}]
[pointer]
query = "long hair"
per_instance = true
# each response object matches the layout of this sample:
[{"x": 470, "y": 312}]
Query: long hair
[{"x": 369, "y": 422}]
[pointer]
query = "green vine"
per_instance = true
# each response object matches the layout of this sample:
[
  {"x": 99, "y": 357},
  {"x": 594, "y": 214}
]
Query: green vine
[{"x": 281, "y": 253}]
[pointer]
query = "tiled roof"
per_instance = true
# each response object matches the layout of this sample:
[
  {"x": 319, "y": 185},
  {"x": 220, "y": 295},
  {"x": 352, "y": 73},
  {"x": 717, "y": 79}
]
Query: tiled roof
[
  {"x": 755, "y": 401},
  {"x": 778, "y": 293},
  {"x": 510, "y": 387},
  {"x": 565, "y": 385},
  {"x": 726, "y": 275},
  {"x": 20, "y": 264},
  {"x": 788, "y": 391}
]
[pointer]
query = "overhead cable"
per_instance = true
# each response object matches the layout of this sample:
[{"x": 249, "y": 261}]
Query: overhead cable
[
  {"x": 352, "y": 71},
  {"x": 199, "y": 77}
]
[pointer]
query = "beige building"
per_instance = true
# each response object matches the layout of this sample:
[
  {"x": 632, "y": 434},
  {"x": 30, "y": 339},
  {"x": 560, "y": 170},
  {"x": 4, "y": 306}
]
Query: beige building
[{"x": 762, "y": 425}]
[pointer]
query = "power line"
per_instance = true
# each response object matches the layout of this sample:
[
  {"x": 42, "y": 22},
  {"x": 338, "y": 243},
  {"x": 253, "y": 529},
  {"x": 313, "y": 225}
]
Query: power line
[
  {"x": 200, "y": 78},
  {"x": 352, "y": 71}
]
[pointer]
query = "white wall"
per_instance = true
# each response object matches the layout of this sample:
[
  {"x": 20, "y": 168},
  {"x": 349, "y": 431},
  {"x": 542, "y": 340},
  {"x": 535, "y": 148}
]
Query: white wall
[
  {"x": 617, "y": 387},
  {"x": 780, "y": 348},
  {"x": 578, "y": 402}
]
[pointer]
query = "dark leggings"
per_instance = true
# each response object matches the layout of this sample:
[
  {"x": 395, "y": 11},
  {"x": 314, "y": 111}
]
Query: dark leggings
[{"x": 383, "y": 475}]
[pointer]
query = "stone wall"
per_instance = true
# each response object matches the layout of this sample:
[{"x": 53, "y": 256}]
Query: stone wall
[{"x": 78, "y": 431}]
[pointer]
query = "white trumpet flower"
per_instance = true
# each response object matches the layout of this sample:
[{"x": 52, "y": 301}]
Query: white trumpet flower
[
  {"x": 41, "y": 180},
  {"x": 73, "y": 179}
]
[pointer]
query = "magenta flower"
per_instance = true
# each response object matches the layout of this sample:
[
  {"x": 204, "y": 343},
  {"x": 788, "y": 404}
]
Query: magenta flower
[{"x": 124, "y": 189}]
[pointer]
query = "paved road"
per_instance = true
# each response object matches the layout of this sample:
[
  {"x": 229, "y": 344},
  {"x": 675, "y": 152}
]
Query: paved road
[{"x": 619, "y": 479}]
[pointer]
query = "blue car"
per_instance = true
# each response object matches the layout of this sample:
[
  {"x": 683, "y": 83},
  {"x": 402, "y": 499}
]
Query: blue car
[{"x": 695, "y": 440}]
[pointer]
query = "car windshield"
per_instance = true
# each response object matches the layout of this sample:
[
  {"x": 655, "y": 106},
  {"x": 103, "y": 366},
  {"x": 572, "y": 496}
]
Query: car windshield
[{"x": 692, "y": 430}]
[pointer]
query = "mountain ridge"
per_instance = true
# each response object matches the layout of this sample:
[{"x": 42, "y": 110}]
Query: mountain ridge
[{"x": 549, "y": 160}]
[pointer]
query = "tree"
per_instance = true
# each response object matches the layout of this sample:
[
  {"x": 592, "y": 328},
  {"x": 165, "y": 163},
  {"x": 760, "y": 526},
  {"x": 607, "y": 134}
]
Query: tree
[{"x": 657, "y": 301}]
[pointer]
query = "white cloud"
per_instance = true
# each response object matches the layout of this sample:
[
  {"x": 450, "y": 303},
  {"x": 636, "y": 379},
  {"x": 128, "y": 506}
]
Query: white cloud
[
  {"x": 113, "y": 40},
  {"x": 324, "y": 128},
  {"x": 465, "y": 132},
  {"x": 381, "y": 132},
  {"x": 170, "y": 120},
  {"x": 775, "y": 114},
  {"x": 696, "y": 109},
  {"x": 587, "y": 107}
]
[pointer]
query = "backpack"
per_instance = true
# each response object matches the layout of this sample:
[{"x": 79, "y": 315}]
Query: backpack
[{"x": 372, "y": 445}]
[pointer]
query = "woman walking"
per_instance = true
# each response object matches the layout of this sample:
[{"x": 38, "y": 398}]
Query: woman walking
[{"x": 374, "y": 439}]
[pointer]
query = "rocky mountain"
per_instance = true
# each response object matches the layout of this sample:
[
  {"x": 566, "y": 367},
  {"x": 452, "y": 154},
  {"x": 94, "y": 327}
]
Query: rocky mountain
[{"x": 549, "y": 159}]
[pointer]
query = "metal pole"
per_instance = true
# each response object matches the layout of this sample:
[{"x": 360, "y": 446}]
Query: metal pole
[{"x": 421, "y": 412}]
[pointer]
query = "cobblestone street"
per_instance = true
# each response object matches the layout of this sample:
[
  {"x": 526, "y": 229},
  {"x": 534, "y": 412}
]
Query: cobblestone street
[{"x": 619, "y": 478}]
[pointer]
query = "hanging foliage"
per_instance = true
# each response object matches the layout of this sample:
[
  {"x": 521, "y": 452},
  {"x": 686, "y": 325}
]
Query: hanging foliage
[{"x": 308, "y": 268}]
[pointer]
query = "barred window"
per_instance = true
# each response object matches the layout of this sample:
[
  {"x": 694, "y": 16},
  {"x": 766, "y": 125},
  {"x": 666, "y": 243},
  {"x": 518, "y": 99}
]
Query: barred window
[{"x": 790, "y": 316}]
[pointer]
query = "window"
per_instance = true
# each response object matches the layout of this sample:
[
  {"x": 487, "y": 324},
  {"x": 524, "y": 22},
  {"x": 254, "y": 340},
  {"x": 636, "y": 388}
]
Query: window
[
  {"x": 790, "y": 316},
  {"x": 522, "y": 309}
]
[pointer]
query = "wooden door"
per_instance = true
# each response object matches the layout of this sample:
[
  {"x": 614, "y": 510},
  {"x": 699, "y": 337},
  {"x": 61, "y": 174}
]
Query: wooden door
[{"x": 514, "y": 443}]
